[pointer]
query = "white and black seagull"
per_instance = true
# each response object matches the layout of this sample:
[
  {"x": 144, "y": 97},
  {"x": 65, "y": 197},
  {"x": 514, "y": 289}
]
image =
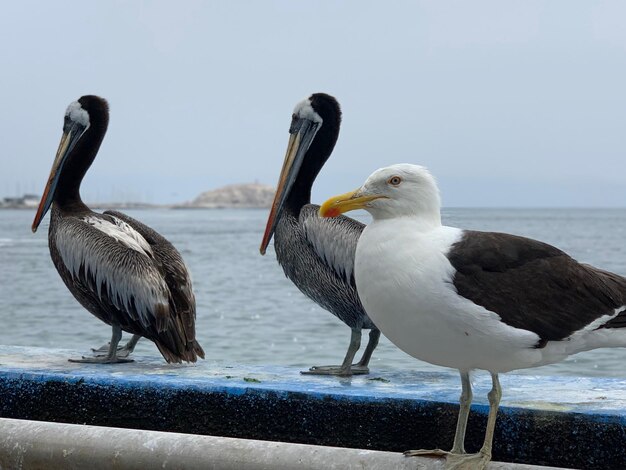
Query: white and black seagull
[
  {"x": 472, "y": 300},
  {"x": 120, "y": 270},
  {"x": 317, "y": 255}
]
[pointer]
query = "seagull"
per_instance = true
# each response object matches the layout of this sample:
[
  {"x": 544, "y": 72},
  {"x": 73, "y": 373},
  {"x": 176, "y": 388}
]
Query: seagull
[{"x": 472, "y": 300}]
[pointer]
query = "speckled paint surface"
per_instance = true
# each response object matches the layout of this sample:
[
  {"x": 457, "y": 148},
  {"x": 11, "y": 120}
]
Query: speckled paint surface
[{"x": 559, "y": 421}]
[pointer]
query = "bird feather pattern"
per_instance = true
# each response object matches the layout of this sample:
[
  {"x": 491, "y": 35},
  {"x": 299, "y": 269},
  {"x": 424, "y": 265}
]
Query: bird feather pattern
[
  {"x": 115, "y": 259},
  {"x": 334, "y": 240}
]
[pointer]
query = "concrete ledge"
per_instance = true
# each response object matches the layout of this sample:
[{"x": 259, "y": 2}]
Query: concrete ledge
[
  {"x": 28, "y": 445},
  {"x": 562, "y": 422}
]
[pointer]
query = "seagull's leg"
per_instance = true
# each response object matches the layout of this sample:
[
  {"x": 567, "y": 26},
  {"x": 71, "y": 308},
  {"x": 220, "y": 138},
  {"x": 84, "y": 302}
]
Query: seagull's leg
[
  {"x": 361, "y": 367},
  {"x": 345, "y": 369},
  {"x": 480, "y": 460},
  {"x": 111, "y": 357},
  {"x": 494, "y": 403},
  {"x": 122, "y": 351},
  {"x": 461, "y": 424}
]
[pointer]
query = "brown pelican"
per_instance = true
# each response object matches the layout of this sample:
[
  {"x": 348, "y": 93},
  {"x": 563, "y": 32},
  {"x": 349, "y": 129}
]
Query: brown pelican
[
  {"x": 472, "y": 300},
  {"x": 122, "y": 271},
  {"x": 317, "y": 254}
]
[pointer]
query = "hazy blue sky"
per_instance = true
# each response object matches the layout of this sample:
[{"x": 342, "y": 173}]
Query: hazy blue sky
[{"x": 508, "y": 103}]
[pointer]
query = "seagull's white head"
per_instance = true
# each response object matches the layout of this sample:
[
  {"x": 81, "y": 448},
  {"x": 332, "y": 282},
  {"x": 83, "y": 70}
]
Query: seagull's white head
[{"x": 401, "y": 190}]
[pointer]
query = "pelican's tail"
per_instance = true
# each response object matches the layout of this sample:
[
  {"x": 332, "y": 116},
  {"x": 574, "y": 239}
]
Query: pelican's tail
[
  {"x": 189, "y": 353},
  {"x": 198, "y": 349}
]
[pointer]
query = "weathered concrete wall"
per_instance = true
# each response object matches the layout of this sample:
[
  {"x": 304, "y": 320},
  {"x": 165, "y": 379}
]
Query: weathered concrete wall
[{"x": 566, "y": 422}]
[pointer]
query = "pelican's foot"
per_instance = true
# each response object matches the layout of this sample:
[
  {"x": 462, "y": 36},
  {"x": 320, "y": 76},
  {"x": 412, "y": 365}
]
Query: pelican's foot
[
  {"x": 355, "y": 369},
  {"x": 477, "y": 461},
  {"x": 102, "y": 360},
  {"x": 428, "y": 453},
  {"x": 103, "y": 351},
  {"x": 358, "y": 369}
]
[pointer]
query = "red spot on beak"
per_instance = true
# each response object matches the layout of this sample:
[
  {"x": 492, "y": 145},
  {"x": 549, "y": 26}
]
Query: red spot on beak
[{"x": 332, "y": 212}]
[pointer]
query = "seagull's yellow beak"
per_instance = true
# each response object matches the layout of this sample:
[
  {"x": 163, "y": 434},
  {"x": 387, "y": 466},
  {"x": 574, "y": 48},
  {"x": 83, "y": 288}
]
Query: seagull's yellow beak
[{"x": 353, "y": 200}]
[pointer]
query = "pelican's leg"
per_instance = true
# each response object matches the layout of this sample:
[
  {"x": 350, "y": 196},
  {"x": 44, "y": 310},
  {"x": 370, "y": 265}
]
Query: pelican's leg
[
  {"x": 361, "y": 367},
  {"x": 102, "y": 350},
  {"x": 480, "y": 460},
  {"x": 122, "y": 351},
  {"x": 129, "y": 347},
  {"x": 458, "y": 448},
  {"x": 345, "y": 369},
  {"x": 111, "y": 357}
]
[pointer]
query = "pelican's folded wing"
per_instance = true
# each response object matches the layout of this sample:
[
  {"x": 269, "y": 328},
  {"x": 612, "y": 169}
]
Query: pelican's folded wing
[
  {"x": 175, "y": 271},
  {"x": 334, "y": 240},
  {"x": 116, "y": 264}
]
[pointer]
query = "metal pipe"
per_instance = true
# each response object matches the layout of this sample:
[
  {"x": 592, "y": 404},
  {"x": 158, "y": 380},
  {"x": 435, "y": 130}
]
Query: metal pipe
[{"x": 40, "y": 445}]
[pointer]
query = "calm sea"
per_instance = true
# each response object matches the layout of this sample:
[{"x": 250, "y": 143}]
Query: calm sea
[{"x": 248, "y": 312}]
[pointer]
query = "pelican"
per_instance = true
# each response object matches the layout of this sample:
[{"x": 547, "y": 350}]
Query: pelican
[
  {"x": 119, "y": 269},
  {"x": 317, "y": 255},
  {"x": 472, "y": 300}
]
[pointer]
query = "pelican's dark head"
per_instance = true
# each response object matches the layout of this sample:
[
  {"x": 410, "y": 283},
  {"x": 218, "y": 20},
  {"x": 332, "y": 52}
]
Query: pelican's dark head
[
  {"x": 321, "y": 113},
  {"x": 313, "y": 133},
  {"x": 84, "y": 126},
  {"x": 96, "y": 108}
]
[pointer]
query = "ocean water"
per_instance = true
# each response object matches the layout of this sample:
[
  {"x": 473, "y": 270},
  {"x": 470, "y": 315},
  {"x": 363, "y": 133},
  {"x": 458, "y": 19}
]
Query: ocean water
[{"x": 248, "y": 312}]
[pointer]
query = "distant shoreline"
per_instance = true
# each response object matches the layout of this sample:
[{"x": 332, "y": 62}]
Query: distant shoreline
[
  {"x": 233, "y": 196},
  {"x": 116, "y": 206}
]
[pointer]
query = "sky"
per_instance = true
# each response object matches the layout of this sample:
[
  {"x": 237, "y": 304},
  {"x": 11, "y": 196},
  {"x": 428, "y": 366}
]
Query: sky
[{"x": 508, "y": 103}]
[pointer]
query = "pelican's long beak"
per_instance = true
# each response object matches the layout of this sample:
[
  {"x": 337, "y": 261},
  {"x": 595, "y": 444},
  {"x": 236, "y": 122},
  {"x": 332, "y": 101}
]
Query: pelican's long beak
[
  {"x": 302, "y": 133},
  {"x": 351, "y": 201},
  {"x": 70, "y": 136}
]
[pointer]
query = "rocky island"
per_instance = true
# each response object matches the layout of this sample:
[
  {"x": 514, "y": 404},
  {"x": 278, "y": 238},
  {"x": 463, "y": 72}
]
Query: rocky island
[{"x": 242, "y": 196}]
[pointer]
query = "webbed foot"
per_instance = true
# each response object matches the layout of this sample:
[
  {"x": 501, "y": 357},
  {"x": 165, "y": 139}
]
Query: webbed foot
[
  {"x": 103, "y": 351},
  {"x": 102, "y": 360},
  {"x": 477, "y": 461},
  {"x": 428, "y": 453},
  {"x": 355, "y": 369}
]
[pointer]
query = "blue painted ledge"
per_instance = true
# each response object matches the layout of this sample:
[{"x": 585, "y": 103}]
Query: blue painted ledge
[{"x": 557, "y": 421}]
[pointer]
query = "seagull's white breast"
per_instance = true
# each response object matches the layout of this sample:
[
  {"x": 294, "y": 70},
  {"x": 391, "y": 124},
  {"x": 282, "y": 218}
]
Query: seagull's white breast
[{"x": 405, "y": 283}]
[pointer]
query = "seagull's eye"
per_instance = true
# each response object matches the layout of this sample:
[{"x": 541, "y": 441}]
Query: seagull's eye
[{"x": 394, "y": 180}]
